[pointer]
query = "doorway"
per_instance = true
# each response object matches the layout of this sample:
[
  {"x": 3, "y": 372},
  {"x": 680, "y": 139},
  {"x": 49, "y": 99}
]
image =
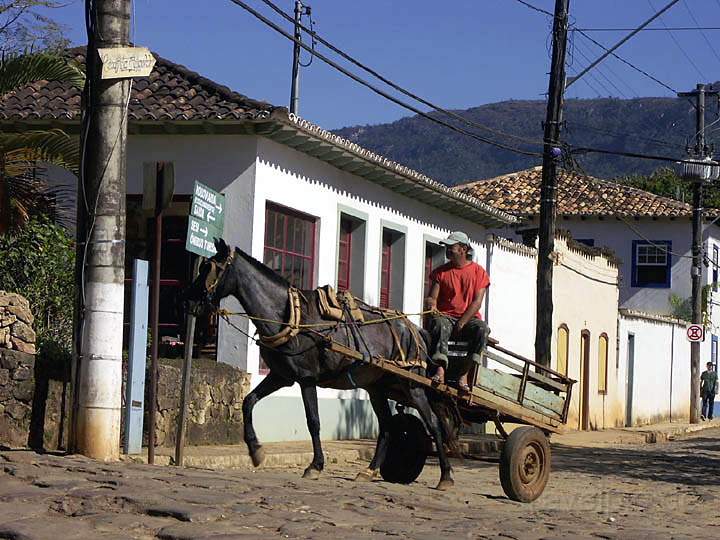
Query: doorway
[
  {"x": 585, "y": 380},
  {"x": 630, "y": 381}
]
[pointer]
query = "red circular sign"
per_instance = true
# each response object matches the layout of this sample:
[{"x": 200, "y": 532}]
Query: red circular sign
[{"x": 695, "y": 332}]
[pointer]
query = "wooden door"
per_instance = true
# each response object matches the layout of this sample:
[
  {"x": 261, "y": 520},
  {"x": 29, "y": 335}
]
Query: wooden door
[{"x": 585, "y": 381}]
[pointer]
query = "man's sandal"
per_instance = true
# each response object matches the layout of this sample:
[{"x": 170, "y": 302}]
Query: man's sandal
[
  {"x": 463, "y": 387},
  {"x": 437, "y": 379}
]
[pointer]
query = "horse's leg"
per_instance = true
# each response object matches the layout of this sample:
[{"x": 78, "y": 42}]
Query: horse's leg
[
  {"x": 422, "y": 405},
  {"x": 310, "y": 401},
  {"x": 380, "y": 405},
  {"x": 267, "y": 386}
]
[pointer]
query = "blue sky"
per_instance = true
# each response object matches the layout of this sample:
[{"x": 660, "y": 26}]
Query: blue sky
[{"x": 457, "y": 53}]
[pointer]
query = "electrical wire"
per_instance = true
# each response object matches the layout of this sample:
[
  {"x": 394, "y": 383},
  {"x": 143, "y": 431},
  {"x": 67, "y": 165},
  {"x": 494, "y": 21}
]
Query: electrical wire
[
  {"x": 312, "y": 39},
  {"x": 380, "y": 92},
  {"x": 613, "y": 73},
  {"x": 673, "y": 28},
  {"x": 582, "y": 32},
  {"x": 677, "y": 43},
  {"x": 677, "y": 146},
  {"x": 392, "y": 84},
  {"x": 704, "y": 35},
  {"x": 602, "y": 74}
]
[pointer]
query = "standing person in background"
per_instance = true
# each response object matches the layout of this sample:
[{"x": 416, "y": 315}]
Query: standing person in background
[{"x": 708, "y": 388}]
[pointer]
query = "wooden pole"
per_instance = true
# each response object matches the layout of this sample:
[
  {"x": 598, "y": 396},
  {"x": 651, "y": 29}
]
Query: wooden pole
[
  {"x": 548, "y": 188},
  {"x": 187, "y": 372}
]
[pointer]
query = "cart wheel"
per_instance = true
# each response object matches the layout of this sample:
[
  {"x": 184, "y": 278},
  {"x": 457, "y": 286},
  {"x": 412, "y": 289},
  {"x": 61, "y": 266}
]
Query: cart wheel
[
  {"x": 525, "y": 464},
  {"x": 407, "y": 449}
]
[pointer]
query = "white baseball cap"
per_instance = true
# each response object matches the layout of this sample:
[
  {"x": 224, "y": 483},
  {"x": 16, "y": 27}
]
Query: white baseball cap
[{"x": 457, "y": 237}]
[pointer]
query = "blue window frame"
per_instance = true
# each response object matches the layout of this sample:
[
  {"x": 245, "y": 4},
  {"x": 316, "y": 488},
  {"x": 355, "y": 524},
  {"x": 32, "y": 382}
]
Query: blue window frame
[
  {"x": 715, "y": 266},
  {"x": 651, "y": 263}
]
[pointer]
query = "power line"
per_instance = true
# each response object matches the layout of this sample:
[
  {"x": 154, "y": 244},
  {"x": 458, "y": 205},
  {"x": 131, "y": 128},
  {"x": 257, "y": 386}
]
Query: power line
[
  {"x": 618, "y": 77},
  {"x": 535, "y": 8},
  {"x": 666, "y": 29},
  {"x": 602, "y": 74},
  {"x": 378, "y": 91},
  {"x": 628, "y": 135},
  {"x": 689, "y": 58},
  {"x": 610, "y": 51},
  {"x": 316, "y": 37},
  {"x": 704, "y": 35},
  {"x": 582, "y": 31}
]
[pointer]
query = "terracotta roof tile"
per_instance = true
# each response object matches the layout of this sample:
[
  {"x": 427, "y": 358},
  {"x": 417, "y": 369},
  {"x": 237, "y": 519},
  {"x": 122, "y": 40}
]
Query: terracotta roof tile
[
  {"x": 578, "y": 195},
  {"x": 171, "y": 92}
]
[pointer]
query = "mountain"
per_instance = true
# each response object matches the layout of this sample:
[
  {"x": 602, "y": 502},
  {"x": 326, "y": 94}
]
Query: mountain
[{"x": 657, "y": 126}]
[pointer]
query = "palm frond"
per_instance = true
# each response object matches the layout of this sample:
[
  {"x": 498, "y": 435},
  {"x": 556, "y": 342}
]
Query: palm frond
[
  {"x": 20, "y": 151},
  {"x": 19, "y": 70}
]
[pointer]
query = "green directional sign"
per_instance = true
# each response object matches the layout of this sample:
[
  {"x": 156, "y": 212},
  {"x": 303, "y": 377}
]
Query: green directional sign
[{"x": 205, "y": 224}]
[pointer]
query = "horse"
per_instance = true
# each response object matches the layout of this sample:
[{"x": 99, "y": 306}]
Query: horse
[{"x": 302, "y": 356}]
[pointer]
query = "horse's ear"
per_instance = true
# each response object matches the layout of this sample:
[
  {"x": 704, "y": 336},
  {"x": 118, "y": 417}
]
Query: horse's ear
[{"x": 223, "y": 250}]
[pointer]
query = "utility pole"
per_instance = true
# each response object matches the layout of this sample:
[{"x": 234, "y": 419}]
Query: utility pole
[
  {"x": 548, "y": 188},
  {"x": 300, "y": 10},
  {"x": 701, "y": 151},
  {"x": 102, "y": 218}
]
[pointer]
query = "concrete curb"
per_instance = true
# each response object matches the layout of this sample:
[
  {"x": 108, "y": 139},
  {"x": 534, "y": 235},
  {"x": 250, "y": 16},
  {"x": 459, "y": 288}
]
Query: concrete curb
[
  {"x": 655, "y": 436},
  {"x": 241, "y": 460}
]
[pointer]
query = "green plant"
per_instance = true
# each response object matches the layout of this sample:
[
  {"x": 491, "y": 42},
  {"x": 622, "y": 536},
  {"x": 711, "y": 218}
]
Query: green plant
[{"x": 38, "y": 262}]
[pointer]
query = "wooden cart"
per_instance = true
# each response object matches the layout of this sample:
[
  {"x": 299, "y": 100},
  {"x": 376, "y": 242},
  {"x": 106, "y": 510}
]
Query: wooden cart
[{"x": 506, "y": 388}]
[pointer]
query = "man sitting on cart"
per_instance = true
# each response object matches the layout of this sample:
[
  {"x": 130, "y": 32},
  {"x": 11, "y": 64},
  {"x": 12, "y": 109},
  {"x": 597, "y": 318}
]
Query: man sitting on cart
[{"x": 456, "y": 294}]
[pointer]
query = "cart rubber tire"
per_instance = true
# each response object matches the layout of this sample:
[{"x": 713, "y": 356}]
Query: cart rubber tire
[
  {"x": 407, "y": 449},
  {"x": 525, "y": 464}
]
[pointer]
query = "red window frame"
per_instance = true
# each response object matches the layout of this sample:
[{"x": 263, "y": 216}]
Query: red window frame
[
  {"x": 280, "y": 245},
  {"x": 386, "y": 269},
  {"x": 344, "y": 254}
]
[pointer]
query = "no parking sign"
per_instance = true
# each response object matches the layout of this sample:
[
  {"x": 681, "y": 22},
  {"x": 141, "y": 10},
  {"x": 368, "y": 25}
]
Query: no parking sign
[{"x": 695, "y": 333}]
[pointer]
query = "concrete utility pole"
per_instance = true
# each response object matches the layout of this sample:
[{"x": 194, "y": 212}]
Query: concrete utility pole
[
  {"x": 701, "y": 151},
  {"x": 97, "y": 420},
  {"x": 548, "y": 188}
]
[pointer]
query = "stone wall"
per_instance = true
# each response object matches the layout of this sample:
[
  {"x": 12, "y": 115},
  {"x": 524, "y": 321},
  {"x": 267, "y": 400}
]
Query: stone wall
[
  {"x": 16, "y": 323},
  {"x": 215, "y": 408}
]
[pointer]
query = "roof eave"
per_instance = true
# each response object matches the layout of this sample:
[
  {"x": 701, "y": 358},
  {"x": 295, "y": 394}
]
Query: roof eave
[{"x": 308, "y": 138}]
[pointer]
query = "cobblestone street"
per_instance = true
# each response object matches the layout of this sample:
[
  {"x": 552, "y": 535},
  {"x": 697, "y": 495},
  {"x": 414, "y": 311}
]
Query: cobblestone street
[{"x": 650, "y": 491}]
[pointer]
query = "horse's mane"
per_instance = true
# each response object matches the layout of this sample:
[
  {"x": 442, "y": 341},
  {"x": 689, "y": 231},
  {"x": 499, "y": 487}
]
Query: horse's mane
[{"x": 263, "y": 269}]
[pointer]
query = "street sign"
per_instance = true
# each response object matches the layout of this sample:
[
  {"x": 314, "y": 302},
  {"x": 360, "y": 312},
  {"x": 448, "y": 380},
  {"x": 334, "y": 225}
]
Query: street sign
[
  {"x": 206, "y": 220},
  {"x": 695, "y": 333},
  {"x": 126, "y": 62}
]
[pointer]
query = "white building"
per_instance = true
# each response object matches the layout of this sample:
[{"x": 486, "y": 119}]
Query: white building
[
  {"x": 650, "y": 237},
  {"x": 312, "y": 205}
]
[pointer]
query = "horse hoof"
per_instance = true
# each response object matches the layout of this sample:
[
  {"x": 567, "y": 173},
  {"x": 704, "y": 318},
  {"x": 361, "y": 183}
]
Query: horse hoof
[
  {"x": 311, "y": 474},
  {"x": 444, "y": 485},
  {"x": 258, "y": 456},
  {"x": 366, "y": 476}
]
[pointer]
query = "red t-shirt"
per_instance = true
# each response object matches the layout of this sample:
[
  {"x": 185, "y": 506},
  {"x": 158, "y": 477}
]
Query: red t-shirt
[{"x": 458, "y": 287}]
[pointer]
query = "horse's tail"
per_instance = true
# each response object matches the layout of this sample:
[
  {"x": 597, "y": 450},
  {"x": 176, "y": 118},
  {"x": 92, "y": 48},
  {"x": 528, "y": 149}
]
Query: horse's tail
[{"x": 449, "y": 419}]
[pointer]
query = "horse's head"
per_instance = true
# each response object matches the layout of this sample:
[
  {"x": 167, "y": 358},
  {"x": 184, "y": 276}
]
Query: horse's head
[{"x": 214, "y": 281}]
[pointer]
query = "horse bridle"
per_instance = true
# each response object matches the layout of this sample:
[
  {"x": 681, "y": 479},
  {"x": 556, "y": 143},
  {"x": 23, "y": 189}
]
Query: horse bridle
[{"x": 215, "y": 274}]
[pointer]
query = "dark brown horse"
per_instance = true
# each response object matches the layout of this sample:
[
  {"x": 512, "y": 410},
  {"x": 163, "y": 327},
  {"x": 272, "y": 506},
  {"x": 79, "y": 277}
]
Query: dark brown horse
[{"x": 306, "y": 359}]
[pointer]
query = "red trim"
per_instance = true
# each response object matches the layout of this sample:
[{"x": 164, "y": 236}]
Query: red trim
[
  {"x": 344, "y": 255},
  {"x": 287, "y": 222},
  {"x": 386, "y": 270}
]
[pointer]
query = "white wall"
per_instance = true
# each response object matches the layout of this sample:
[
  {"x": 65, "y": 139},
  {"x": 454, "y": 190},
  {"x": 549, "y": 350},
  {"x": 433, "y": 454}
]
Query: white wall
[
  {"x": 290, "y": 178},
  {"x": 618, "y": 235},
  {"x": 585, "y": 298},
  {"x": 661, "y": 381},
  {"x": 512, "y": 295}
]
